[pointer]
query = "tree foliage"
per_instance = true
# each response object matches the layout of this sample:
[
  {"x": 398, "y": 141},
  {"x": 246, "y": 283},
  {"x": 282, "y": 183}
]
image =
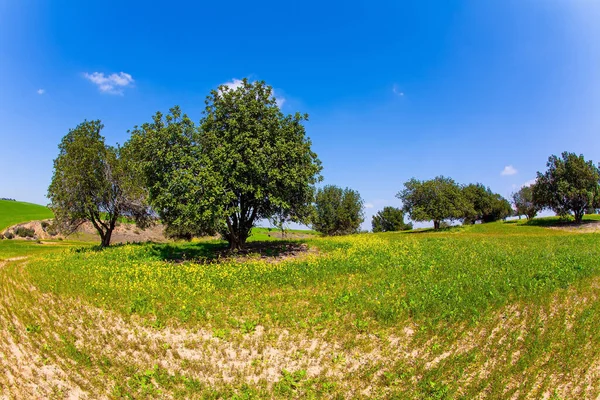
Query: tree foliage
[
  {"x": 96, "y": 183},
  {"x": 389, "y": 219},
  {"x": 167, "y": 154},
  {"x": 524, "y": 204},
  {"x": 337, "y": 211},
  {"x": 569, "y": 185},
  {"x": 434, "y": 200},
  {"x": 486, "y": 206},
  {"x": 245, "y": 162}
]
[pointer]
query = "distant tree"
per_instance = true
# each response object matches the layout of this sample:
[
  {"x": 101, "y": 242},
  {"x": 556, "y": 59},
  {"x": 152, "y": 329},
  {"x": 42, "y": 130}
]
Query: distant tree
[
  {"x": 500, "y": 209},
  {"x": 389, "y": 219},
  {"x": 524, "y": 204},
  {"x": 246, "y": 161},
  {"x": 94, "y": 182},
  {"x": 434, "y": 200},
  {"x": 480, "y": 198},
  {"x": 486, "y": 206},
  {"x": 570, "y": 185},
  {"x": 337, "y": 211}
]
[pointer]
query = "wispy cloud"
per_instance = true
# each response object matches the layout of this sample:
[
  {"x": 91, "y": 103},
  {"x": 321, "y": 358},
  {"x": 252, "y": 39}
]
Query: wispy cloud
[
  {"x": 508, "y": 170},
  {"x": 236, "y": 83},
  {"x": 41, "y": 91},
  {"x": 397, "y": 91},
  {"x": 111, "y": 84},
  {"x": 369, "y": 205}
]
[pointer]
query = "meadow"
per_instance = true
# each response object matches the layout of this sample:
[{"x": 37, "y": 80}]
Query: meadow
[
  {"x": 15, "y": 212},
  {"x": 498, "y": 310}
]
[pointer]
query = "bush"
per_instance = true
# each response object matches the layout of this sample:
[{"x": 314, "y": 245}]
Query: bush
[
  {"x": 8, "y": 235},
  {"x": 45, "y": 225},
  {"x": 24, "y": 232}
]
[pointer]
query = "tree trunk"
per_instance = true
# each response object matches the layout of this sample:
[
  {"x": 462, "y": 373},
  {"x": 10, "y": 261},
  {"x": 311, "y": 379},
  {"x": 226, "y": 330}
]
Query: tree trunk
[
  {"x": 578, "y": 216},
  {"x": 235, "y": 243},
  {"x": 436, "y": 225},
  {"x": 106, "y": 238}
]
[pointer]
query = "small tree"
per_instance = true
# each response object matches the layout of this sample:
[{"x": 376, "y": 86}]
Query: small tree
[
  {"x": 337, "y": 211},
  {"x": 94, "y": 182},
  {"x": 434, "y": 200},
  {"x": 524, "y": 204},
  {"x": 389, "y": 219},
  {"x": 570, "y": 185}
]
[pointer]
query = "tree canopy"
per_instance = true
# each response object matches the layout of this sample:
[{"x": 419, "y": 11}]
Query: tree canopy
[
  {"x": 389, "y": 219},
  {"x": 486, "y": 206},
  {"x": 94, "y": 182},
  {"x": 524, "y": 204},
  {"x": 337, "y": 211},
  {"x": 246, "y": 161},
  {"x": 569, "y": 185},
  {"x": 434, "y": 200}
]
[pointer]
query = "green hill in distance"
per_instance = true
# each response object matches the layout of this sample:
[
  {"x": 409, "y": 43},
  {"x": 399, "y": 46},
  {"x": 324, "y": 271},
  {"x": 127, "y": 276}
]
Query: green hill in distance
[{"x": 15, "y": 212}]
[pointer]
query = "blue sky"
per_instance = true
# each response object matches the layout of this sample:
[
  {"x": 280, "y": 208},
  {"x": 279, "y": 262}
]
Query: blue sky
[{"x": 394, "y": 90}]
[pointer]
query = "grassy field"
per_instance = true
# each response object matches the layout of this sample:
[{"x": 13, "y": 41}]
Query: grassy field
[
  {"x": 502, "y": 310},
  {"x": 14, "y": 212}
]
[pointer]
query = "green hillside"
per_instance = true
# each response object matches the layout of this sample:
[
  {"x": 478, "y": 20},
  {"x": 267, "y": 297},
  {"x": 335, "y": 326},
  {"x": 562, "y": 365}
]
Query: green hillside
[{"x": 14, "y": 212}]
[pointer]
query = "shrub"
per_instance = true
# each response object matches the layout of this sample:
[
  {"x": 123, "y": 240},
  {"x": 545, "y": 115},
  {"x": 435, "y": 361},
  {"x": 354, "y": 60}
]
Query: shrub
[
  {"x": 24, "y": 232},
  {"x": 8, "y": 235}
]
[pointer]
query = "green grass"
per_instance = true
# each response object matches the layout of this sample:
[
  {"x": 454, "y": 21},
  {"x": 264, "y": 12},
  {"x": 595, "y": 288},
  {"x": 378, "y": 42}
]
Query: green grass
[
  {"x": 494, "y": 310},
  {"x": 385, "y": 278},
  {"x": 25, "y": 248},
  {"x": 15, "y": 212}
]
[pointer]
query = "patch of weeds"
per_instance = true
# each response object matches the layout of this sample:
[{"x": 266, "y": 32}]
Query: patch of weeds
[
  {"x": 80, "y": 356},
  {"x": 248, "y": 327},
  {"x": 434, "y": 390},
  {"x": 289, "y": 382},
  {"x": 221, "y": 333},
  {"x": 33, "y": 329},
  {"x": 361, "y": 325}
]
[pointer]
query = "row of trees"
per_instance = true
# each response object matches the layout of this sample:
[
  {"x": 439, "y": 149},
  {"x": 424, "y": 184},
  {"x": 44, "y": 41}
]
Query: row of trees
[
  {"x": 442, "y": 199},
  {"x": 569, "y": 187},
  {"x": 246, "y": 161}
]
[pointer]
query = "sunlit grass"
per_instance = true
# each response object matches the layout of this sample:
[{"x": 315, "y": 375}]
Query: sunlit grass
[
  {"x": 486, "y": 311},
  {"x": 14, "y": 212}
]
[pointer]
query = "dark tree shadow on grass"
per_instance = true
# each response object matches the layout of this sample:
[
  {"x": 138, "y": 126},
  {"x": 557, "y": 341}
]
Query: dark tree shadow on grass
[
  {"x": 557, "y": 222},
  {"x": 207, "y": 252},
  {"x": 431, "y": 230}
]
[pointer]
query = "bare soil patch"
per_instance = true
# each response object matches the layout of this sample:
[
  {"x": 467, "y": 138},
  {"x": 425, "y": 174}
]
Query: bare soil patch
[{"x": 586, "y": 227}]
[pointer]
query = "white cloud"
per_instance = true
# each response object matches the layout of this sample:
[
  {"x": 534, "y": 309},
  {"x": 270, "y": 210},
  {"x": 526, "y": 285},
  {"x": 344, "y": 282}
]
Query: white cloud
[
  {"x": 236, "y": 83},
  {"x": 397, "y": 91},
  {"x": 369, "y": 205},
  {"x": 41, "y": 91},
  {"x": 111, "y": 84},
  {"x": 508, "y": 170},
  {"x": 529, "y": 182}
]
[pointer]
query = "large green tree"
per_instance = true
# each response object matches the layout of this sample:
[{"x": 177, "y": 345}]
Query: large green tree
[
  {"x": 434, "y": 200},
  {"x": 389, "y": 219},
  {"x": 245, "y": 162},
  {"x": 569, "y": 185},
  {"x": 486, "y": 206},
  {"x": 94, "y": 182},
  {"x": 337, "y": 211},
  {"x": 524, "y": 204}
]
